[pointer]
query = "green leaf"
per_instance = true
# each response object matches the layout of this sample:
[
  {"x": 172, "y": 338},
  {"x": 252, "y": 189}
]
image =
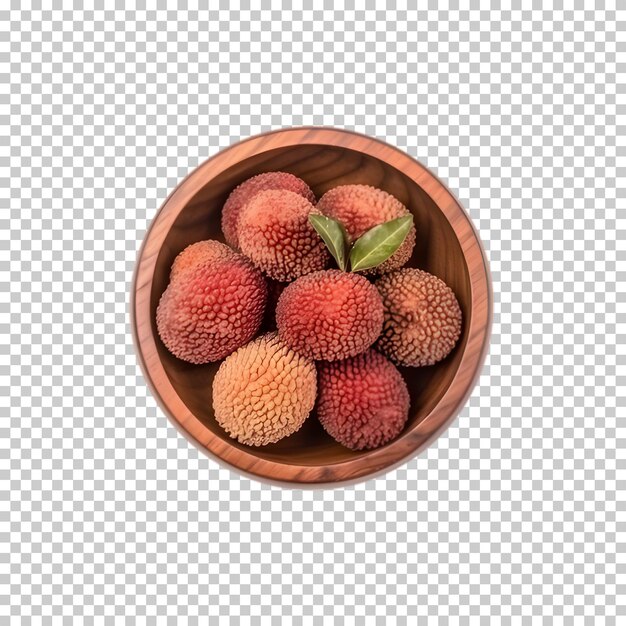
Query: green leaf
[
  {"x": 334, "y": 236},
  {"x": 379, "y": 243}
]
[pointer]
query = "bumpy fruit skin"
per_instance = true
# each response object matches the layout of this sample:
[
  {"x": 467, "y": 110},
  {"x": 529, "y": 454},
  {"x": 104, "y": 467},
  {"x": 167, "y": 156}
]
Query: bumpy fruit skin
[
  {"x": 208, "y": 251},
  {"x": 422, "y": 318},
  {"x": 264, "y": 391},
  {"x": 330, "y": 315},
  {"x": 249, "y": 188},
  {"x": 211, "y": 307},
  {"x": 361, "y": 207},
  {"x": 363, "y": 402},
  {"x": 275, "y": 233}
]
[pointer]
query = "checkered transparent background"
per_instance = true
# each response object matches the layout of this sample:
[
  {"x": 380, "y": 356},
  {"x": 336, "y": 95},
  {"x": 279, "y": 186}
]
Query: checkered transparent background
[{"x": 511, "y": 515}]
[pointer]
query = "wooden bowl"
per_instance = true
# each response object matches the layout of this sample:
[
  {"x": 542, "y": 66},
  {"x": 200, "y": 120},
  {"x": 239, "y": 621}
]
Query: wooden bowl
[{"x": 447, "y": 246}]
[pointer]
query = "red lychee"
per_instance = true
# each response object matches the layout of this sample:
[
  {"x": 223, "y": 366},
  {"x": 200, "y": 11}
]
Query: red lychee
[
  {"x": 363, "y": 401},
  {"x": 275, "y": 233},
  {"x": 208, "y": 251},
  {"x": 329, "y": 315},
  {"x": 248, "y": 189},
  {"x": 211, "y": 307}
]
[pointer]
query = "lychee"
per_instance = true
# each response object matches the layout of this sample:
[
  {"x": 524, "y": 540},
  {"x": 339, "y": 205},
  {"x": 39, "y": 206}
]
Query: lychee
[
  {"x": 330, "y": 315},
  {"x": 361, "y": 207},
  {"x": 422, "y": 317},
  {"x": 212, "y": 306},
  {"x": 249, "y": 188},
  {"x": 275, "y": 233},
  {"x": 208, "y": 251},
  {"x": 363, "y": 401},
  {"x": 264, "y": 391}
]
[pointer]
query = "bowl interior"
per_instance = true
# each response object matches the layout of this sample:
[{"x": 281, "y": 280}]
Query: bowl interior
[{"x": 437, "y": 251}]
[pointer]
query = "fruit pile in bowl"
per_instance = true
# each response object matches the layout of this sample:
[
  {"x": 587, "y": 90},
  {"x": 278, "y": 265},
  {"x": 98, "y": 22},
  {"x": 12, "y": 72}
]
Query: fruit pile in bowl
[
  {"x": 309, "y": 307},
  {"x": 214, "y": 333}
]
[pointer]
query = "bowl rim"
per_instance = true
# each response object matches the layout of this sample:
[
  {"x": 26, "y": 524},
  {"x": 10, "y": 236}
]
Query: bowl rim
[{"x": 374, "y": 462}]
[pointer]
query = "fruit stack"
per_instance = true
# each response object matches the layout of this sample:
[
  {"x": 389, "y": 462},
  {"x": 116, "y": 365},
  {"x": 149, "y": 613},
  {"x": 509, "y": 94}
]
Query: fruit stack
[{"x": 311, "y": 309}]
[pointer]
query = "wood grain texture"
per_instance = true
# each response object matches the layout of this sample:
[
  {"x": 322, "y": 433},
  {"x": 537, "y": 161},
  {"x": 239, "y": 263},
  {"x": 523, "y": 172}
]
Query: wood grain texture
[{"x": 447, "y": 246}]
